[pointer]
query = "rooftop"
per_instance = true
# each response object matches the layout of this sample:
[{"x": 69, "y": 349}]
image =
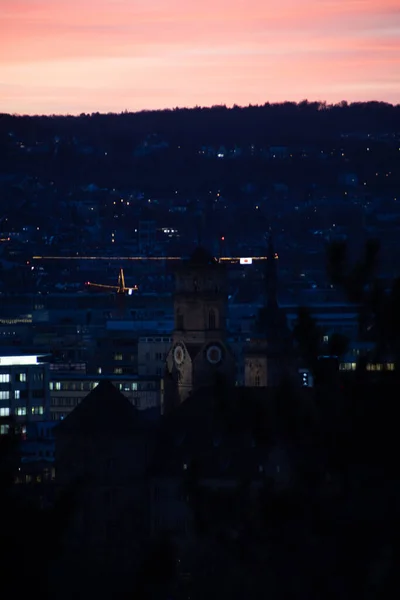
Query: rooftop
[
  {"x": 103, "y": 411},
  {"x": 220, "y": 428},
  {"x": 201, "y": 258},
  {"x": 82, "y": 376}
]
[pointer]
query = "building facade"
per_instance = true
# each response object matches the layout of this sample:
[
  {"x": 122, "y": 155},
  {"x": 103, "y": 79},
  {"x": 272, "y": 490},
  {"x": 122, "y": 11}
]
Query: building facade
[
  {"x": 152, "y": 354},
  {"x": 24, "y": 389}
]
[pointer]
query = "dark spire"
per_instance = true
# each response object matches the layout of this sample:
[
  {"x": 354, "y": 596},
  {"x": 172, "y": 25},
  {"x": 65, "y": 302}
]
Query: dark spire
[
  {"x": 271, "y": 275},
  {"x": 271, "y": 319},
  {"x": 201, "y": 258}
]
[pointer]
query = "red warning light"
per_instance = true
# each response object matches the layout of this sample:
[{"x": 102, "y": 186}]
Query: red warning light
[{"x": 223, "y": 238}]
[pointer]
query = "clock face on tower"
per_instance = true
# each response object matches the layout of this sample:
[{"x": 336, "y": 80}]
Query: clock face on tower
[
  {"x": 179, "y": 354},
  {"x": 214, "y": 354}
]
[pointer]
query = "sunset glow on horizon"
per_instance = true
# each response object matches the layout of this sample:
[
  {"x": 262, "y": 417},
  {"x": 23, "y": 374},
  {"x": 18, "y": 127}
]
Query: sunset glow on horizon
[{"x": 60, "y": 57}]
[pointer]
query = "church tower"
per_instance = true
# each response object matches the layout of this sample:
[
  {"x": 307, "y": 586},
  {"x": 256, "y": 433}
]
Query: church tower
[
  {"x": 266, "y": 355},
  {"x": 199, "y": 354}
]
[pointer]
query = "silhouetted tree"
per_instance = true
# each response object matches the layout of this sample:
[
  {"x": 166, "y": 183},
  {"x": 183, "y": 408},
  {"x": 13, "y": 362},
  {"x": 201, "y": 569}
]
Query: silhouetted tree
[
  {"x": 378, "y": 307},
  {"x": 354, "y": 278},
  {"x": 338, "y": 344},
  {"x": 307, "y": 336}
]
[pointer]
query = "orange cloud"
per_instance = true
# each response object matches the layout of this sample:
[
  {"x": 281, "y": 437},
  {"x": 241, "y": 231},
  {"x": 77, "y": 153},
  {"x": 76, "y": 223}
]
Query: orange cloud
[{"x": 74, "y": 56}]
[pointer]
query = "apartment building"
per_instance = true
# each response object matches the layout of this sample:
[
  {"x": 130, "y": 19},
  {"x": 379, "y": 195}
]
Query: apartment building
[{"x": 24, "y": 388}]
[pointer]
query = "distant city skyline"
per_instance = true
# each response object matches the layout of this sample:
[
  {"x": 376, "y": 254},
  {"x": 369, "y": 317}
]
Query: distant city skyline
[{"x": 70, "y": 57}]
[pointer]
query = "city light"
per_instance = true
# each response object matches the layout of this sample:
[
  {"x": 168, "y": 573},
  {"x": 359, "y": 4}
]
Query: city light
[{"x": 133, "y": 258}]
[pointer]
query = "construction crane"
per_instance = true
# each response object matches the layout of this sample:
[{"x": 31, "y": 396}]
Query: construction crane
[{"x": 120, "y": 288}]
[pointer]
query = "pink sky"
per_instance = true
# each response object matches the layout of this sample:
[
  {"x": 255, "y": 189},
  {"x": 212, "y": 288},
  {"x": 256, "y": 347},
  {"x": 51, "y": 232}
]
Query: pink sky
[{"x": 72, "y": 56}]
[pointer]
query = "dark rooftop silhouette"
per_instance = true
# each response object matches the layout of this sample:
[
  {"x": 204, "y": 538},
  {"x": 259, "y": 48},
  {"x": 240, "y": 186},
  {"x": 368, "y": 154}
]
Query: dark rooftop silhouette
[
  {"x": 201, "y": 258},
  {"x": 104, "y": 410}
]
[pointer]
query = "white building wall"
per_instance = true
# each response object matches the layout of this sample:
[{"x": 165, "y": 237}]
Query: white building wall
[{"x": 152, "y": 354}]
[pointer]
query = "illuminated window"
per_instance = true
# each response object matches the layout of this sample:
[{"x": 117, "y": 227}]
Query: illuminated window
[
  {"x": 4, "y": 378},
  {"x": 51, "y": 385},
  {"x": 21, "y": 411},
  {"x": 37, "y": 410},
  {"x": 124, "y": 387},
  {"x": 4, "y": 412},
  {"x": 326, "y": 339},
  {"x": 390, "y": 366},
  {"x": 21, "y": 377},
  {"x": 118, "y": 371},
  {"x": 347, "y": 366},
  {"x": 4, "y": 395},
  {"x": 117, "y": 356},
  {"x": 58, "y": 385},
  {"x": 17, "y": 394}
]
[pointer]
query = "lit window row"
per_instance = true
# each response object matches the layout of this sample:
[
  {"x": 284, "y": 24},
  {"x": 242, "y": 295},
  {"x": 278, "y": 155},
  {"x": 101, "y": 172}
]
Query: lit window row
[
  {"x": 370, "y": 366},
  {"x": 5, "y": 394},
  {"x": 5, "y": 377},
  {"x": 348, "y": 366},
  {"x": 72, "y": 386},
  {"x": 21, "y": 411},
  {"x": 380, "y": 367},
  {"x": 128, "y": 387}
]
